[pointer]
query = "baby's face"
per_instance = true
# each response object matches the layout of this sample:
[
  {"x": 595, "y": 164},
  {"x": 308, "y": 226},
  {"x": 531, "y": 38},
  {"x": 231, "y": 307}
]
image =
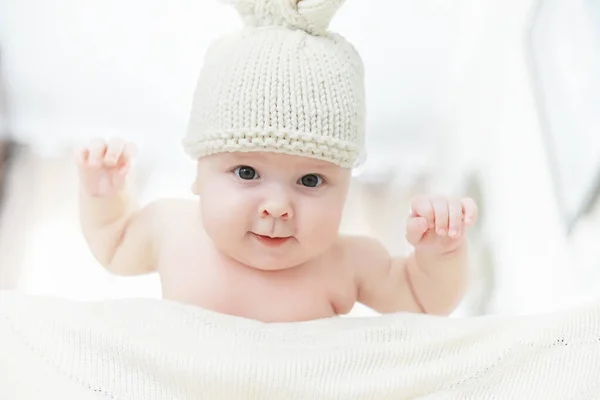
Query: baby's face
[{"x": 271, "y": 211}]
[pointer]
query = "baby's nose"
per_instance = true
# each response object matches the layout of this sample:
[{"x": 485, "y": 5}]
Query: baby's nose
[{"x": 276, "y": 209}]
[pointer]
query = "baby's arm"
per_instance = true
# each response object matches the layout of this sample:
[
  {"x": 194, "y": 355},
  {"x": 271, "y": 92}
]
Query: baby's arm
[
  {"x": 118, "y": 232},
  {"x": 433, "y": 279}
]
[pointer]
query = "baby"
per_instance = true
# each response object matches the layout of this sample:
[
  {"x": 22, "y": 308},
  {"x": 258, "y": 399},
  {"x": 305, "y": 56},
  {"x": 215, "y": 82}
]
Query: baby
[{"x": 276, "y": 126}]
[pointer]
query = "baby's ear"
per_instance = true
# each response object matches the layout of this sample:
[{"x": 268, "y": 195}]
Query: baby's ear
[{"x": 196, "y": 187}]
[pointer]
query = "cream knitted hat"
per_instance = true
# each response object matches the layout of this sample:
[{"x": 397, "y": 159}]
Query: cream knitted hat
[{"x": 283, "y": 84}]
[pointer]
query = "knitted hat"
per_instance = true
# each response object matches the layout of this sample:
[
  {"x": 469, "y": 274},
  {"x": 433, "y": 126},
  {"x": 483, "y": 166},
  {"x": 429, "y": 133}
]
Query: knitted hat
[{"x": 282, "y": 84}]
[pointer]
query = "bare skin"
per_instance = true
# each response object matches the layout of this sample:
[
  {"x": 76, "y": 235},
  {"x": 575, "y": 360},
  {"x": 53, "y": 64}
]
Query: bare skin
[{"x": 308, "y": 272}]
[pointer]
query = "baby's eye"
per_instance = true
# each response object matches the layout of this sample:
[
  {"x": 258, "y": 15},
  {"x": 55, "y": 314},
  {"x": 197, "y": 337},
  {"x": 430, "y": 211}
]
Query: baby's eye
[
  {"x": 245, "y": 172},
  {"x": 311, "y": 180}
]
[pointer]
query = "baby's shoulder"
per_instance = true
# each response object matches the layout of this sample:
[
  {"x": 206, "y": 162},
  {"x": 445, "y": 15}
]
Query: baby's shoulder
[
  {"x": 358, "y": 248},
  {"x": 360, "y": 254}
]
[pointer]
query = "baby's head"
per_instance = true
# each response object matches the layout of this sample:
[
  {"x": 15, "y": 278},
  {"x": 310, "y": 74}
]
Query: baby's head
[{"x": 277, "y": 124}]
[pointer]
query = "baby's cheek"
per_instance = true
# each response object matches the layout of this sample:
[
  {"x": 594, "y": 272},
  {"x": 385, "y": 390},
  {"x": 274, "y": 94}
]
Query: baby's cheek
[
  {"x": 323, "y": 223},
  {"x": 219, "y": 209}
]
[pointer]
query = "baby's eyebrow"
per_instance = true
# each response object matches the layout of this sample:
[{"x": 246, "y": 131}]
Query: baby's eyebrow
[
  {"x": 256, "y": 159},
  {"x": 245, "y": 157},
  {"x": 318, "y": 167}
]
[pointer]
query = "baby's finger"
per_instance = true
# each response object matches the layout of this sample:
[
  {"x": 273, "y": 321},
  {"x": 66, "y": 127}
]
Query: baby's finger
[
  {"x": 96, "y": 151},
  {"x": 415, "y": 229},
  {"x": 129, "y": 152},
  {"x": 114, "y": 151},
  {"x": 455, "y": 218},
  {"x": 469, "y": 209},
  {"x": 440, "y": 206},
  {"x": 421, "y": 207}
]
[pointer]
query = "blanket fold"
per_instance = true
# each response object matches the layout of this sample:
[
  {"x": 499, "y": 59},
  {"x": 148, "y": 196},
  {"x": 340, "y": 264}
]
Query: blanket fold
[{"x": 147, "y": 349}]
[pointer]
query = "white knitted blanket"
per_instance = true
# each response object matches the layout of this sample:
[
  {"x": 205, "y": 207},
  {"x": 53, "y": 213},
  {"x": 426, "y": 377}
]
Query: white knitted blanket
[{"x": 150, "y": 349}]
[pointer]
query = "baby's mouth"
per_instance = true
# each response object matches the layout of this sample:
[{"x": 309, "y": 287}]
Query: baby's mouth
[{"x": 270, "y": 240}]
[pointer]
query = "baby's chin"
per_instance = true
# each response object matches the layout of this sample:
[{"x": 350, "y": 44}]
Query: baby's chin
[
  {"x": 265, "y": 254},
  {"x": 265, "y": 260},
  {"x": 262, "y": 263}
]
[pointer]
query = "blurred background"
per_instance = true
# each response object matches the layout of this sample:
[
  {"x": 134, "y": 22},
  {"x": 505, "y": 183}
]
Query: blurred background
[{"x": 499, "y": 100}]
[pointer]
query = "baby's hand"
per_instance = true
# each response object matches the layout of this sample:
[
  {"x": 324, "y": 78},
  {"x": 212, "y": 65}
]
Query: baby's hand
[
  {"x": 437, "y": 224},
  {"x": 103, "y": 166}
]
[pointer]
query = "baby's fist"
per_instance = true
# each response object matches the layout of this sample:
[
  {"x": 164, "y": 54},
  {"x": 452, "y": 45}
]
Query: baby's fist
[
  {"x": 438, "y": 223},
  {"x": 103, "y": 166}
]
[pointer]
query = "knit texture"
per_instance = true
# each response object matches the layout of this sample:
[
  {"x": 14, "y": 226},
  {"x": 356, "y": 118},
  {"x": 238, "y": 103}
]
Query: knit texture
[
  {"x": 151, "y": 349},
  {"x": 283, "y": 83}
]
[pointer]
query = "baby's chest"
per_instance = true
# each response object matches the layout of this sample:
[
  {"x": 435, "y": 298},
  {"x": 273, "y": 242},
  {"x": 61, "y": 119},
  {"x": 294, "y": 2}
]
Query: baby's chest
[{"x": 243, "y": 291}]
